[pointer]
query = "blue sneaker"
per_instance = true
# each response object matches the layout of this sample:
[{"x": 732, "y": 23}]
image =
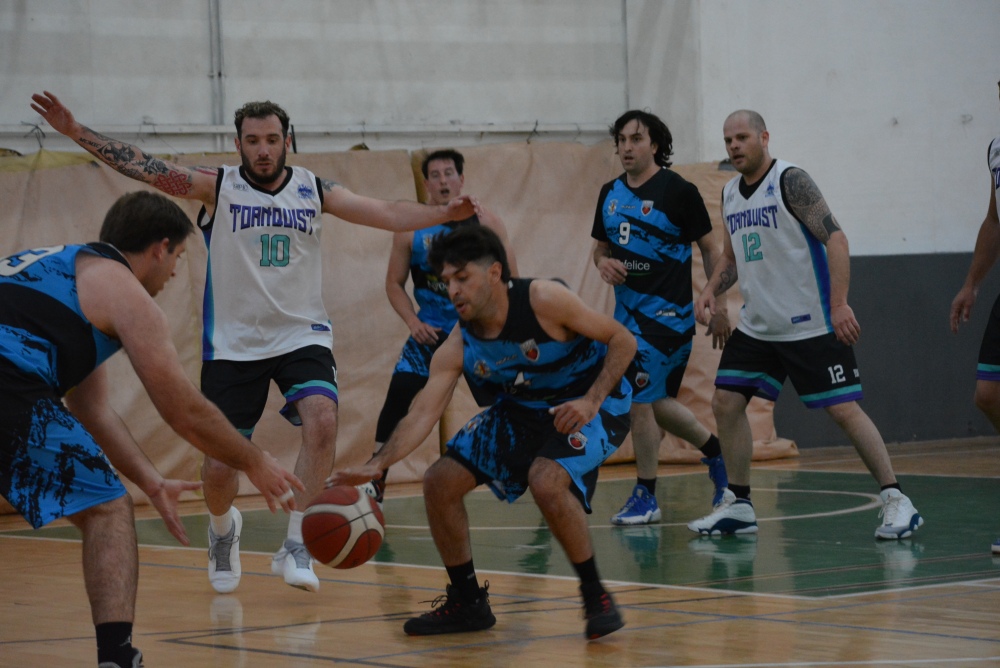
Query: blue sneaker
[
  {"x": 640, "y": 508},
  {"x": 717, "y": 472},
  {"x": 995, "y": 549}
]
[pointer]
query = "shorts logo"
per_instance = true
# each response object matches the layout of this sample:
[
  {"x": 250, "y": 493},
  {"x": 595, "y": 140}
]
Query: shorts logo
[
  {"x": 577, "y": 441},
  {"x": 647, "y": 206},
  {"x": 481, "y": 369},
  {"x": 305, "y": 192},
  {"x": 530, "y": 350},
  {"x": 641, "y": 379},
  {"x": 612, "y": 207}
]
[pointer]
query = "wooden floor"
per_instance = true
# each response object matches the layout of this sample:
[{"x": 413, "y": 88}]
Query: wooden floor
[{"x": 736, "y": 611}]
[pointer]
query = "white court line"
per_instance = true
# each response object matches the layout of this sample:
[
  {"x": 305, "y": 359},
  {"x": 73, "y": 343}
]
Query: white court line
[{"x": 950, "y": 661}]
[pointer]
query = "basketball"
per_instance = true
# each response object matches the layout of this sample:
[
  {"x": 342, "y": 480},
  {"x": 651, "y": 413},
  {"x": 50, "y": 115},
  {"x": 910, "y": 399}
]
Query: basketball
[{"x": 343, "y": 527}]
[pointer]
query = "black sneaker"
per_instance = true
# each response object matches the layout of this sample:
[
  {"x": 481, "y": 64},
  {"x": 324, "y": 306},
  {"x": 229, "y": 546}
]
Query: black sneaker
[
  {"x": 602, "y": 616},
  {"x": 135, "y": 663},
  {"x": 452, "y": 614}
]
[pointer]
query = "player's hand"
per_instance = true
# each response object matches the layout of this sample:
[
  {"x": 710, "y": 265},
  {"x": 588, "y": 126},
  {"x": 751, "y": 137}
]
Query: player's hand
[
  {"x": 54, "y": 112},
  {"x": 165, "y": 500},
  {"x": 704, "y": 308},
  {"x": 274, "y": 483},
  {"x": 719, "y": 328},
  {"x": 573, "y": 415},
  {"x": 425, "y": 334},
  {"x": 356, "y": 475},
  {"x": 961, "y": 306},
  {"x": 462, "y": 207},
  {"x": 845, "y": 325},
  {"x": 612, "y": 271}
]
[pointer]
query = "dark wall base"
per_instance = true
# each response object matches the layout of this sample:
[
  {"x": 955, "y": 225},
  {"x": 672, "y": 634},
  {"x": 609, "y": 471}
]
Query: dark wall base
[{"x": 918, "y": 377}]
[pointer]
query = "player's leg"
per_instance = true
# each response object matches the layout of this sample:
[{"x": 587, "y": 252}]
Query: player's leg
[
  {"x": 239, "y": 389},
  {"x": 307, "y": 379},
  {"x": 641, "y": 506},
  {"x": 987, "y": 399},
  {"x": 987, "y": 396},
  {"x": 678, "y": 419}
]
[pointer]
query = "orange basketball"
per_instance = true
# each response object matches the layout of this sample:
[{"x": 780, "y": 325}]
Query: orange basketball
[{"x": 343, "y": 527}]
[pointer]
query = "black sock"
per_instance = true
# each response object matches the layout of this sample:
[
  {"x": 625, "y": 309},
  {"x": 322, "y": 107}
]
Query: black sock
[
  {"x": 587, "y": 571},
  {"x": 712, "y": 448},
  {"x": 649, "y": 484},
  {"x": 114, "y": 642},
  {"x": 741, "y": 491},
  {"x": 894, "y": 485},
  {"x": 463, "y": 578}
]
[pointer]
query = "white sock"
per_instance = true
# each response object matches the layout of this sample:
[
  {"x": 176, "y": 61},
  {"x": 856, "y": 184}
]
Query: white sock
[
  {"x": 295, "y": 526},
  {"x": 221, "y": 524}
]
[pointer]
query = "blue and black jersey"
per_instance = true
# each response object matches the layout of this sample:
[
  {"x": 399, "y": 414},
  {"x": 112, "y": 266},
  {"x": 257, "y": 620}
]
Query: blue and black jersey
[
  {"x": 651, "y": 229},
  {"x": 431, "y": 295}
]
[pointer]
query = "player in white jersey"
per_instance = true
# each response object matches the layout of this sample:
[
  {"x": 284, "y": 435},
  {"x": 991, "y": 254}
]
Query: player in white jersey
[
  {"x": 793, "y": 266},
  {"x": 264, "y": 318},
  {"x": 987, "y": 251}
]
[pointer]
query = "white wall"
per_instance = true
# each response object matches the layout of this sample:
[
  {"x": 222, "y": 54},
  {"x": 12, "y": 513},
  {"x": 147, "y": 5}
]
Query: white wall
[{"x": 889, "y": 104}]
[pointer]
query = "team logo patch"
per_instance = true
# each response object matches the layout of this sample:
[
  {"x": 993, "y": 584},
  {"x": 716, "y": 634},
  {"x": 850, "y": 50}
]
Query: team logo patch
[
  {"x": 641, "y": 379},
  {"x": 305, "y": 192},
  {"x": 612, "y": 207},
  {"x": 481, "y": 369},
  {"x": 647, "y": 206},
  {"x": 577, "y": 441},
  {"x": 770, "y": 190},
  {"x": 530, "y": 350}
]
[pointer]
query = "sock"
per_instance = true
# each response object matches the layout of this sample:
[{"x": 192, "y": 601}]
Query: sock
[
  {"x": 741, "y": 491},
  {"x": 587, "y": 572},
  {"x": 894, "y": 485},
  {"x": 114, "y": 642},
  {"x": 221, "y": 524},
  {"x": 649, "y": 484},
  {"x": 463, "y": 578},
  {"x": 295, "y": 526},
  {"x": 712, "y": 448}
]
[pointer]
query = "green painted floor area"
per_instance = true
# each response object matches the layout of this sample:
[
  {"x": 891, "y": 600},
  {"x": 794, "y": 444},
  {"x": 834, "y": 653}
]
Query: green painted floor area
[{"x": 816, "y": 536}]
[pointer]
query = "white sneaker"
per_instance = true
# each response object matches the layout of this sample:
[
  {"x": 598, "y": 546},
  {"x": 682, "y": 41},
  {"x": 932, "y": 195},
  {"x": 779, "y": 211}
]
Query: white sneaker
[
  {"x": 224, "y": 556},
  {"x": 730, "y": 516},
  {"x": 296, "y": 565},
  {"x": 899, "y": 517}
]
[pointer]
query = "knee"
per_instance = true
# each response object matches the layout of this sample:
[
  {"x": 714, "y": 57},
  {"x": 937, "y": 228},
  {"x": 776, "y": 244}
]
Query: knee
[
  {"x": 843, "y": 413},
  {"x": 116, "y": 510},
  {"x": 987, "y": 398},
  {"x": 726, "y": 404},
  {"x": 548, "y": 481},
  {"x": 214, "y": 471},
  {"x": 442, "y": 482}
]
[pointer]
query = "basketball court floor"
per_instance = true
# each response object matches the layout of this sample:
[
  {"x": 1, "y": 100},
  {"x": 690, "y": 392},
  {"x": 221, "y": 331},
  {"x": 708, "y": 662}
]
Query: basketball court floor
[{"x": 813, "y": 588}]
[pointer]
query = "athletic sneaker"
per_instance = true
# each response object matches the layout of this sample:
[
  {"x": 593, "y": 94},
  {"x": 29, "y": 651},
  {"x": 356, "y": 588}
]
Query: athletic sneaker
[
  {"x": 899, "y": 517},
  {"x": 295, "y": 564},
  {"x": 453, "y": 614},
  {"x": 136, "y": 661},
  {"x": 717, "y": 473},
  {"x": 641, "y": 508},
  {"x": 224, "y": 556},
  {"x": 375, "y": 489},
  {"x": 731, "y": 516},
  {"x": 995, "y": 548},
  {"x": 602, "y": 616}
]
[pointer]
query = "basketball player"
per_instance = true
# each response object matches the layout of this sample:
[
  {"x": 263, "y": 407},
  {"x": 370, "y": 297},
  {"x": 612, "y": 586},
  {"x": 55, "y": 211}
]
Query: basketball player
[
  {"x": 645, "y": 223},
  {"x": 793, "y": 266},
  {"x": 549, "y": 368},
  {"x": 264, "y": 317},
  {"x": 987, "y": 251},
  {"x": 443, "y": 181},
  {"x": 63, "y": 311}
]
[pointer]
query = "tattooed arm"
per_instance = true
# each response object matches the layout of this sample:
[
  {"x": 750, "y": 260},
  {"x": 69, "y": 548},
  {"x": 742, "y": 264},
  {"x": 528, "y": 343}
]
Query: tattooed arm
[
  {"x": 806, "y": 203},
  {"x": 724, "y": 275},
  {"x": 172, "y": 179}
]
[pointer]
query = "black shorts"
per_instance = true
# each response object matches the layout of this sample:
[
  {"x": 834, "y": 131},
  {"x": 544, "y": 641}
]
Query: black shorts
[
  {"x": 240, "y": 389},
  {"x": 989, "y": 351},
  {"x": 822, "y": 369}
]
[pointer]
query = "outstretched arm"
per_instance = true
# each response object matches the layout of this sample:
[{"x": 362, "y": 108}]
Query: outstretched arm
[
  {"x": 133, "y": 162},
  {"x": 806, "y": 202},
  {"x": 983, "y": 258},
  {"x": 426, "y": 411},
  {"x": 395, "y": 216},
  {"x": 88, "y": 403}
]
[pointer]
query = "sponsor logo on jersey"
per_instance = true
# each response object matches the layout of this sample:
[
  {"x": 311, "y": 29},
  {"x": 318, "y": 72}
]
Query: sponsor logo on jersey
[
  {"x": 637, "y": 265},
  {"x": 426, "y": 240},
  {"x": 481, "y": 369},
  {"x": 669, "y": 313},
  {"x": 647, "y": 206},
  {"x": 641, "y": 379},
  {"x": 577, "y": 441},
  {"x": 319, "y": 328},
  {"x": 731, "y": 196},
  {"x": 241, "y": 186},
  {"x": 612, "y": 207},
  {"x": 765, "y": 216},
  {"x": 796, "y": 319},
  {"x": 530, "y": 350},
  {"x": 305, "y": 192}
]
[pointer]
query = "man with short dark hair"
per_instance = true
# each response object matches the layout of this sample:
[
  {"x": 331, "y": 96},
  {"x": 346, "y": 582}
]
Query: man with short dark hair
[
  {"x": 645, "y": 223},
  {"x": 549, "y": 369},
  {"x": 444, "y": 178},
  {"x": 264, "y": 317},
  {"x": 63, "y": 311}
]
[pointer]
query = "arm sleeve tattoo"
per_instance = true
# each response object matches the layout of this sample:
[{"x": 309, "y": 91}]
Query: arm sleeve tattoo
[{"x": 806, "y": 203}]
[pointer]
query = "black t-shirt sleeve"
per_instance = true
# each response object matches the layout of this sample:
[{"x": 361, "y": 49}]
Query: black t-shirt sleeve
[
  {"x": 697, "y": 222},
  {"x": 598, "y": 232}
]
